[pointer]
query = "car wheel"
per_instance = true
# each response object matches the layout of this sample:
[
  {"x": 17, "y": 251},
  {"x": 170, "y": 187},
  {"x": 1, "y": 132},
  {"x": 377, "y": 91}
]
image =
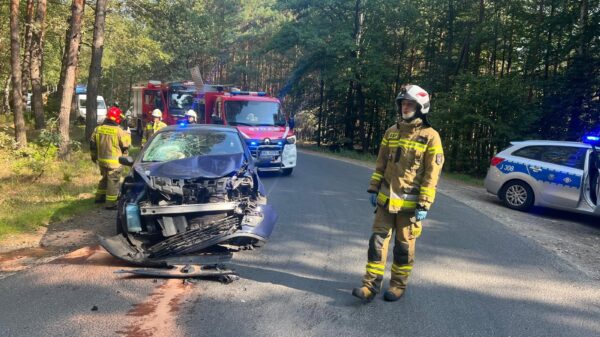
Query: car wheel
[
  {"x": 517, "y": 195},
  {"x": 287, "y": 171}
]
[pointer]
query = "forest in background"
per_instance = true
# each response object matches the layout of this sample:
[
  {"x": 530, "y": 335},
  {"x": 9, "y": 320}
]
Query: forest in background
[{"x": 497, "y": 71}]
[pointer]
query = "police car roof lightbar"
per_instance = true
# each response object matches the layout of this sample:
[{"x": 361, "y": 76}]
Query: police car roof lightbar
[{"x": 593, "y": 140}]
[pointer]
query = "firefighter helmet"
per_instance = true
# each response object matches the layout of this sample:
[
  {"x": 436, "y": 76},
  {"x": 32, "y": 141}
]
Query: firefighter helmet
[
  {"x": 114, "y": 114},
  {"x": 191, "y": 113},
  {"x": 416, "y": 94},
  {"x": 157, "y": 113}
]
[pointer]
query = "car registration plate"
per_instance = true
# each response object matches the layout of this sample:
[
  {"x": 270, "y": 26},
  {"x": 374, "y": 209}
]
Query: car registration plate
[{"x": 269, "y": 153}]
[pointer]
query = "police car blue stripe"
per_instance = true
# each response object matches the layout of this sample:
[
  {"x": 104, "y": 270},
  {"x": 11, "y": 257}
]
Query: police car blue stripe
[{"x": 544, "y": 175}]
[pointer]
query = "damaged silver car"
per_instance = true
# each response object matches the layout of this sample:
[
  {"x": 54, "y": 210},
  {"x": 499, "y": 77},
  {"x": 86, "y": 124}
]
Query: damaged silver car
[{"x": 193, "y": 197}]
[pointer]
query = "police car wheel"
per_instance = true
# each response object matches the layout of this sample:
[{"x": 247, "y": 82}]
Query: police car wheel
[
  {"x": 287, "y": 171},
  {"x": 517, "y": 195}
]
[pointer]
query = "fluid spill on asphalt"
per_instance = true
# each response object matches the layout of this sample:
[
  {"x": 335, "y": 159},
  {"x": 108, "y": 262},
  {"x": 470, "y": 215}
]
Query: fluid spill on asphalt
[
  {"x": 21, "y": 259},
  {"x": 157, "y": 316}
]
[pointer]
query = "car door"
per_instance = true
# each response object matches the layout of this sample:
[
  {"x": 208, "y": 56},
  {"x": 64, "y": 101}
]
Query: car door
[
  {"x": 560, "y": 173},
  {"x": 593, "y": 180}
]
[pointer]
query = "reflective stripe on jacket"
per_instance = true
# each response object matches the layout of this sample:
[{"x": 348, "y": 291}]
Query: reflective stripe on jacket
[
  {"x": 151, "y": 129},
  {"x": 108, "y": 143},
  {"x": 408, "y": 167}
]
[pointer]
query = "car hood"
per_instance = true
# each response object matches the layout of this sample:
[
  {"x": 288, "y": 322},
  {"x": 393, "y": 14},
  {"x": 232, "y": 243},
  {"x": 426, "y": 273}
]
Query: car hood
[{"x": 210, "y": 167}]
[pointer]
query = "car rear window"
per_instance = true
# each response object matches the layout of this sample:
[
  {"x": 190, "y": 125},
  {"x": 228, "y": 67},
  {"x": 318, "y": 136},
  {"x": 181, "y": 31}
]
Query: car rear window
[
  {"x": 569, "y": 156},
  {"x": 530, "y": 152}
]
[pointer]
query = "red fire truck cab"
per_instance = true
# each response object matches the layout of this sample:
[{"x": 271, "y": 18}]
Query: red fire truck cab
[
  {"x": 173, "y": 100},
  {"x": 261, "y": 121}
]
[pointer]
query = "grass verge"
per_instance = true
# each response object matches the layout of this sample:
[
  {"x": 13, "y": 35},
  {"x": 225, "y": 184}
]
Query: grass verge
[{"x": 35, "y": 193}]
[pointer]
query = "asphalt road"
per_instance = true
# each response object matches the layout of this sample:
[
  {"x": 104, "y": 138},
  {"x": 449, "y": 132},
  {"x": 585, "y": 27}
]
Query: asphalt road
[{"x": 473, "y": 276}]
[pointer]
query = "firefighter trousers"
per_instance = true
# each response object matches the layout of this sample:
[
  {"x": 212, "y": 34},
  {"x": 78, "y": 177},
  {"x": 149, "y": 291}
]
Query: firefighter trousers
[
  {"x": 108, "y": 186},
  {"x": 404, "y": 249}
]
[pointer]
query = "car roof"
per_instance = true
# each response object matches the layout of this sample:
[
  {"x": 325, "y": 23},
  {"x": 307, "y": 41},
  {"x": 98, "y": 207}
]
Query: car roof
[
  {"x": 213, "y": 127},
  {"x": 550, "y": 142}
]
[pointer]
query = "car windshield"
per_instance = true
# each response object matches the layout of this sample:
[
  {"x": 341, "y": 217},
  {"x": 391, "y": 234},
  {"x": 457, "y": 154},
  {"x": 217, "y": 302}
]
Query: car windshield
[
  {"x": 254, "y": 113},
  {"x": 181, "y": 101},
  {"x": 180, "y": 144}
]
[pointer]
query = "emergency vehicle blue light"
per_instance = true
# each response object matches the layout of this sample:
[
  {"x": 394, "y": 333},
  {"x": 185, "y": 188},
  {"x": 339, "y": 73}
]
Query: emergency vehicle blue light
[
  {"x": 262, "y": 93},
  {"x": 253, "y": 143},
  {"x": 182, "y": 124},
  {"x": 593, "y": 138},
  {"x": 279, "y": 143}
]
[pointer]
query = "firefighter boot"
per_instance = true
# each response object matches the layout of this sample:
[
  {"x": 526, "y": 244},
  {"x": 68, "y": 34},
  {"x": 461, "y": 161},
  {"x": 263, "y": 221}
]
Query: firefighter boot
[
  {"x": 393, "y": 294},
  {"x": 364, "y": 293}
]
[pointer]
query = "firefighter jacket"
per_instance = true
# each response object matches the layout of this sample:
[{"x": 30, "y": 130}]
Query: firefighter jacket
[
  {"x": 151, "y": 129},
  {"x": 108, "y": 142},
  {"x": 408, "y": 167}
]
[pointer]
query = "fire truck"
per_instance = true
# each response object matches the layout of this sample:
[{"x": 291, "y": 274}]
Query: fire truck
[
  {"x": 267, "y": 130},
  {"x": 173, "y": 99}
]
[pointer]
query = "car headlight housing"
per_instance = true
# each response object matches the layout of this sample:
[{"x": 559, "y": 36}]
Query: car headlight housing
[{"x": 291, "y": 140}]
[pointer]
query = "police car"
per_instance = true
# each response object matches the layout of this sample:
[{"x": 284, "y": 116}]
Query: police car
[{"x": 555, "y": 174}]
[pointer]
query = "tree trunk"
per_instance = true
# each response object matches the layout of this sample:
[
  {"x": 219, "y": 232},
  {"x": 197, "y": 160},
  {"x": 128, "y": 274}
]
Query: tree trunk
[
  {"x": 36, "y": 65},
  {"x": 548, "y": 45},
  {"x": 362, "y": 118},
  {"x": 69, "y": 82},
  {"x": 479, "y": 30},
  {"x": 95, "y": 68},
  {"x": 6, "y": 100},
  {"x": 320, "y": 120},
  {"x": 64, "y": 62},
  {"x": 27, "y": 49},
  {"x": 15, "y": 60},
  {"x": 449, "y": 45},
  {"x": 510, "y": 52}
]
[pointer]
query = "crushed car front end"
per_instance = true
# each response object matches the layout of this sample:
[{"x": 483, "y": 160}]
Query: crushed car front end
[{"x": 193, "y": 191}]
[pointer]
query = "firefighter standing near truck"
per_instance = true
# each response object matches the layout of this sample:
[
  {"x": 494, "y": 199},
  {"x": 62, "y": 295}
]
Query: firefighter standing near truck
[
  {"x": 108, "y": 142},
  {"x": 118, "y": 110},
  {"x": 402, "y": 189},
  {"x": 191, "y": 117},
  {"x": 154, "y": 126}
]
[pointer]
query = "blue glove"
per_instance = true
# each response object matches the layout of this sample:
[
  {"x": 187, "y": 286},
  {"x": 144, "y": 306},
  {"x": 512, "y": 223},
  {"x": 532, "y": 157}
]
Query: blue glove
[
  {"x": 420, "y": 214},
  {"x": 374, "y": 199}
]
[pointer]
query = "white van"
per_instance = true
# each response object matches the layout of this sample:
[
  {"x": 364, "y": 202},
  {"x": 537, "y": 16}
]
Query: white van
[{"x": 81, "y": 101}]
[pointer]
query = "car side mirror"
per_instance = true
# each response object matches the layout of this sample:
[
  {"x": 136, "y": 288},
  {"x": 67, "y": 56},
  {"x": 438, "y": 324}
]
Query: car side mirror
[{"x": 126, "y": 161}]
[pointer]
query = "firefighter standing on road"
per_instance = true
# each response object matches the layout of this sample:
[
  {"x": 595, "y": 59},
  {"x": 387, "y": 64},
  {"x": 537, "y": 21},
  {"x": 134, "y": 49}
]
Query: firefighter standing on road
[
  {"x": 156, "y": 125},
  {"x": 108, "y": 142},
  {"x": 402, "y": 188}
]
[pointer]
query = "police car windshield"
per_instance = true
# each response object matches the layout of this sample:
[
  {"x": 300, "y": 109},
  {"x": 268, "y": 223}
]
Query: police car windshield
[
  {"x": 180, "y": 144},
  {"x": 253, "y": 113}
]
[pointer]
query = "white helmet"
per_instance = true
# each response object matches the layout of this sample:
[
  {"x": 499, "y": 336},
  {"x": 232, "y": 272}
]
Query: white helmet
[
  {"x": 157, "y": 113},
  {"x": 416, "y": 94},
  {"x": 191, "y": 113}
]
